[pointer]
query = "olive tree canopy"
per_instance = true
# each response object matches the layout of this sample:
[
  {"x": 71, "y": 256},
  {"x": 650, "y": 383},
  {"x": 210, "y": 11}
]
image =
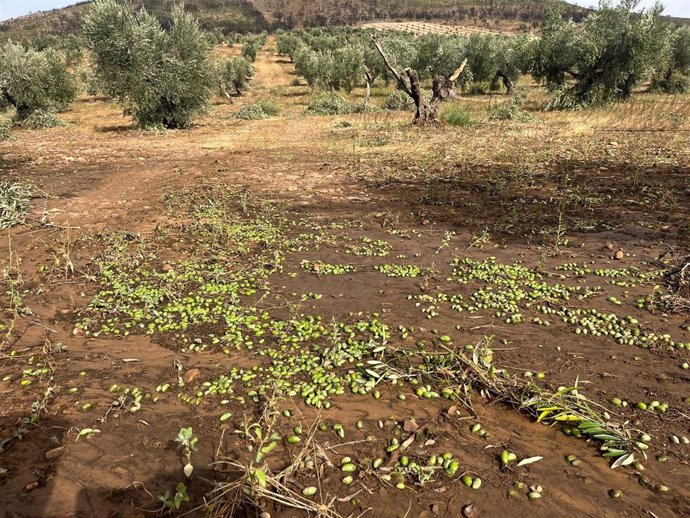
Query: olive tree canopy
[
  {"x": 614, "y": 50},
  {"x": 161, "y": 77},
  {"x": 32, "y": 80}
]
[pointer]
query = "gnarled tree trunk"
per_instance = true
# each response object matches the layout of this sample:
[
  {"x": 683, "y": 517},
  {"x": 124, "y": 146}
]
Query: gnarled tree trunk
[
  {"x": 427, "y": 111},
  {"x": 507, "y": 83},
  {"x": 23, "y": 111}
]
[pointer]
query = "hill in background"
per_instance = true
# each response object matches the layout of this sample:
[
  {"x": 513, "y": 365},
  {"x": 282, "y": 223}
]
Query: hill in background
[{"x": 257, "y": 15}]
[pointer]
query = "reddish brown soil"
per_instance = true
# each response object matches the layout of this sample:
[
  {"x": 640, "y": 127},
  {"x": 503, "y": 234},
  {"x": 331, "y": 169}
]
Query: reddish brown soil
[{"x": 593, "y": 179}]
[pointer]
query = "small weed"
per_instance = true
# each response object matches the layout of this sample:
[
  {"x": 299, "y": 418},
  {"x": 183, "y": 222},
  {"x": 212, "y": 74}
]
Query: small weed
[
  {"x": 457, "y": 116},
  {"x": 174, "y": 501},
  {"x": 188, "y": 441}
]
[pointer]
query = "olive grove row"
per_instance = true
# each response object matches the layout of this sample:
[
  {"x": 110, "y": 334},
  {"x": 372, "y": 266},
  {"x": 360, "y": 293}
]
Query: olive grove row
[{"x": 165, "y": 77}]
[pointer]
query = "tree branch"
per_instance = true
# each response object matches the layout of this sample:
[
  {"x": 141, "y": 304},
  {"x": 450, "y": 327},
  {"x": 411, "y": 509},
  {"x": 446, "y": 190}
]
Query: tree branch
[{"x": 401, "y": 81}]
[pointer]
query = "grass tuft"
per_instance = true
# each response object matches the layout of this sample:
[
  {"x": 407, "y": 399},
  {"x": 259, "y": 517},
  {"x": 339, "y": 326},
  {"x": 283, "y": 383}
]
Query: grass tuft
[
  {"x": 458, "y": 116},
  {"x": 258, "y": 111}
]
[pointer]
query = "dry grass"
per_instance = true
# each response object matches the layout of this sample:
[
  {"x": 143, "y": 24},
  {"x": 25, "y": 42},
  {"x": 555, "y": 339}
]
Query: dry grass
[
  {"x": 678, "y": 282},
  {"x": 255, "y": 483}
]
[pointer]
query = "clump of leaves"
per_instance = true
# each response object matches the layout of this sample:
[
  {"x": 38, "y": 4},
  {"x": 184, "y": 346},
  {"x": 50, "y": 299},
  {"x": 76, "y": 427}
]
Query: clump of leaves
[
  {"x": 329, "y": 104},
  {"x": 5, "y": 133},
  {"x": 42, "y": 119},
  {"x": 399, "y": 101},
  {"x": 675, "y": 83},
  {"x": 14, "y": 203},
  {"x": 457, "y": 116},
  {"x": 364, "y": 108},
  {"x": 257, "y": 111},
  {"x": 174, "y": 501},
  {"x": 511, "y": 111}
]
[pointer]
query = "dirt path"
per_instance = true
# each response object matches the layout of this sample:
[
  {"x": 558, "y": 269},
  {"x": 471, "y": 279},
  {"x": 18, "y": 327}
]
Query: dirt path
[{"x": 272, "y": 70}]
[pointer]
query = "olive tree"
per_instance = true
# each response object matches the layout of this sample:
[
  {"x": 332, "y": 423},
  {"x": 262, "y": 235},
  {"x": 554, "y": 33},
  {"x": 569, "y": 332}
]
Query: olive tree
[
  {"x": 495, "y": 60},
  {"x": 32, "y": 80},
  {"x": 307, "y": 65},
  {"x": 672, "y": 74},
  {"x": 341, "y": 69},
  {"x": 437, "y": 54},
  {"x": 604, "y": 58},
  {"x": 252, "y": 43},
  {"x": 235, "y": 75},
  {"x": 287, "y": 44},
  {"x": 160, "y": 77},
  {"x": 427, "y": 111}
]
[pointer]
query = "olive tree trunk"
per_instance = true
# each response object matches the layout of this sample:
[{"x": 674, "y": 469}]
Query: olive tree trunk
[{"x": 507, "y": 83}]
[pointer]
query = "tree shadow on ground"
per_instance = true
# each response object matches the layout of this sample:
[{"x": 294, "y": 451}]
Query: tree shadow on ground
[
  {"x": 42, "y": 478},
  {"x": 513, "y": 201}
]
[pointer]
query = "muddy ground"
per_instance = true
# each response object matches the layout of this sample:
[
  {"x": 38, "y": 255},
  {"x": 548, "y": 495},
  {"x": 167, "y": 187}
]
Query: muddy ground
[{"x": 441, "y": 286}]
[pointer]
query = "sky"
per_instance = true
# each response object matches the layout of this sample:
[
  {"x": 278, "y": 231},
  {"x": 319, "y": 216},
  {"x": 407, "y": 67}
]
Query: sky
[
  {"x": 673, "y": 7},
  {"x": 14, "y": 8}
]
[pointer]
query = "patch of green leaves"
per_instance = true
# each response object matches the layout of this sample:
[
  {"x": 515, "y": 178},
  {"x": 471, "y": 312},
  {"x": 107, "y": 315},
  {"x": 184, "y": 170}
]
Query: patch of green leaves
[{"x": 14, "y": 203}]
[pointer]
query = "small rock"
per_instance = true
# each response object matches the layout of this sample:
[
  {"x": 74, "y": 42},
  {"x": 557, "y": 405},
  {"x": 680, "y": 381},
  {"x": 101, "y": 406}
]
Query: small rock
[
  {"x": 470, "y": 511},
  {"x": 609, "y": 246},
  {"x": 167, "y": 268},
  {"x": 32, "y": 485},
  {"x": 435, "y": 509},
  {"x": 265, "y": 515},
  {"x": 410, "y": 426},
  {"x": 426, "y": 222},
  {"x": 191, "y": 375},
  {"x": 618, "y": 255},
  {"x": 78, "y": 332},
  {"x": 54, "y": 453}
]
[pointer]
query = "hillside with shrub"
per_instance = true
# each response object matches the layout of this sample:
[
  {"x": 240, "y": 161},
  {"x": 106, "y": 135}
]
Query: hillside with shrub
[{"x": 229, "y": 16}]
